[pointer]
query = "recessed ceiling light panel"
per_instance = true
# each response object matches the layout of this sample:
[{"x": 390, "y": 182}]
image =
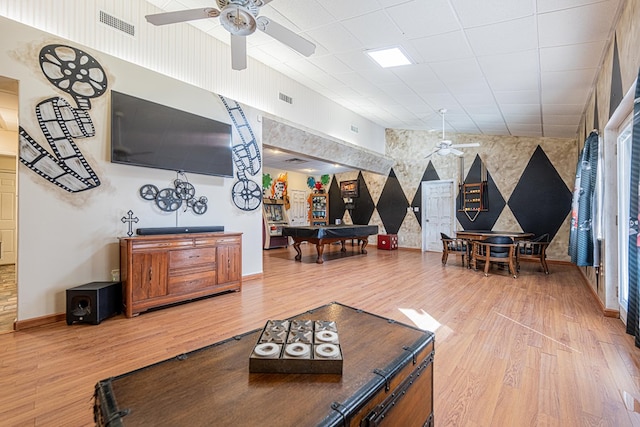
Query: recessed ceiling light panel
[{"x": 389, "y": 57}]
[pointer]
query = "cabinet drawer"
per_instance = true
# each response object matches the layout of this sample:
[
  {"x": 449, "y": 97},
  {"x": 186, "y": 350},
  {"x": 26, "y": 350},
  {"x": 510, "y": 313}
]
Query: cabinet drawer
[
  {"x": 192, "y": 282},
  {"x": 187, "y": 258},
  {"x": 217, "y": 240},
  {"x": 166, "y": 244}
]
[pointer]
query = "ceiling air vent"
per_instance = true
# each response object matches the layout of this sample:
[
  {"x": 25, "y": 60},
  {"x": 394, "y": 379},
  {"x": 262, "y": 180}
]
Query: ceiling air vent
[
  {"x": 286, "y": 98},
  {"x": 116, "y": 23},
  {"x": 354, "y": 129}
]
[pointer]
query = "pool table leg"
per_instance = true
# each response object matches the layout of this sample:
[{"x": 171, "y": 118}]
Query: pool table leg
[
  {"x": 343, "y": 249},
  {"x": 296, "y": 246},
  {"x": 365, "y": 242},
  {"x": 320, "y": 250}
]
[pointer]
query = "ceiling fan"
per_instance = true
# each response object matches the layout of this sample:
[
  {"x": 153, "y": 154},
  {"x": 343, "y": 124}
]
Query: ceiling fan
[
  {"x": 446, "y": 146},
  {"x": 240, "y": 18}
]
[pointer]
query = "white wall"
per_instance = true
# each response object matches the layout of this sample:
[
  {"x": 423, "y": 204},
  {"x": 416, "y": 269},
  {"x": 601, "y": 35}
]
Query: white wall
[
  {"x": 67, "y": 239},
  {"x": 187, "y": 54}
]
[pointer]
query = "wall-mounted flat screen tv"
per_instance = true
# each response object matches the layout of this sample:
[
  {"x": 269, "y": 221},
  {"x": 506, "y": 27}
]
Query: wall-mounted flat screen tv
[{"x": 144, "y": 133}]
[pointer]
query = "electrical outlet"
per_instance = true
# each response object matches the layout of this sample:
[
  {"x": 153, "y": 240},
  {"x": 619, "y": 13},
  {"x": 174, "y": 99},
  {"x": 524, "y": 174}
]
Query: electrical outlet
[{"x": 115, "y": 275}]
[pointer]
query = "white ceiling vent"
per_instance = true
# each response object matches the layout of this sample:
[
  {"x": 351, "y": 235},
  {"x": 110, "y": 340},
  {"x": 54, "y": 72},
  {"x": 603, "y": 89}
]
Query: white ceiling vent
[
  {"x": 354, "y": 128},
  {"x": 116, "y": 23},
  {"x": 285, "y": 98}
]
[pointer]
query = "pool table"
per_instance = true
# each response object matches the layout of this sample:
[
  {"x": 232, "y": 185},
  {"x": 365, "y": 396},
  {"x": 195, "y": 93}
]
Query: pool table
[{"x": 321, "y": 235}]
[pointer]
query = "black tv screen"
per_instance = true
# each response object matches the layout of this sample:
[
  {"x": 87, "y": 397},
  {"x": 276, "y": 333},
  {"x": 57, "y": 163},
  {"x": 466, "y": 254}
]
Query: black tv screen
[{"x": 144, "y": 133}]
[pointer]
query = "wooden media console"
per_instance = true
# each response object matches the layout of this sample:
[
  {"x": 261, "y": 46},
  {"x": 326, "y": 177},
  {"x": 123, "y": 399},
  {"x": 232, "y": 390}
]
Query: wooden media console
[{"x": 165, "y": 269}]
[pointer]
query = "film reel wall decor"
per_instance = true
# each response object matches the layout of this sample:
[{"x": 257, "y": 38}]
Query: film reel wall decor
[
  {"x": 246, "y": 194},
  {"x": 169, "y": 199},
  {"x": 80, "y": 75}
]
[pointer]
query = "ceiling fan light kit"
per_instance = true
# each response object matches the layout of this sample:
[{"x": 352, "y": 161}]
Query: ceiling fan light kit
[
  {"x": 446, "y": 146},
  {"x": 240, "y": 18}
]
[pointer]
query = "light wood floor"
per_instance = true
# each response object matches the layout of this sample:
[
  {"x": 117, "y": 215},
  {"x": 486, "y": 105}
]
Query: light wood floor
[{"x": 531, "y": 351}]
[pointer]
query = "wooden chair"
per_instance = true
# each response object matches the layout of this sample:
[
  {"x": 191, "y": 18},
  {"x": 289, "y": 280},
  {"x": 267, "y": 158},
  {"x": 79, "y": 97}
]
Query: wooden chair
[
  {"x": 455, "y": 246},
  {"x": 499, "y": 249},
  {"x": 535, "y": 249}
]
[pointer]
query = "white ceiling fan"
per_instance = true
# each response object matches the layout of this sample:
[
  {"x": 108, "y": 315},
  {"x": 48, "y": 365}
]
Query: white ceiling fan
[
  {"x": 240, "y": 18},
  {"x": 446, "y": 146}
]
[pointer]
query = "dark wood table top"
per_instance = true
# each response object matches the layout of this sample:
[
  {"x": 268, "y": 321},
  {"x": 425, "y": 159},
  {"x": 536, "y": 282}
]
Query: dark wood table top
[
  {"x": 483, "y": 234},
  {"x": 213, "y": 385}
]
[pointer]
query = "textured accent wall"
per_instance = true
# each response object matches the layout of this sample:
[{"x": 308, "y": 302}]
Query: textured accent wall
[
  {"x": 617, "y": 74},
  {"x": 529, "y": 185}
]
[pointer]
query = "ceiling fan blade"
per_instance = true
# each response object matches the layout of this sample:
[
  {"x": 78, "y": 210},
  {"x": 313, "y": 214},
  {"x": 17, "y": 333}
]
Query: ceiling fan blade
[
  {"x": 456, "y": 152},
  {"x": 238, "y": 52},
  {"x": 469, "y": 145},
  {"x": 434, "y": 151},
  {"x": 286, "y": 36},
  {"x": 182, "y": 16}
]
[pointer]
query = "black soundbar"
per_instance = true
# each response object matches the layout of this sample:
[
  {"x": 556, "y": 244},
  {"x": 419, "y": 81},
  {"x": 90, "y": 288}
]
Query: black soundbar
[{"x": 178, "y": 230}]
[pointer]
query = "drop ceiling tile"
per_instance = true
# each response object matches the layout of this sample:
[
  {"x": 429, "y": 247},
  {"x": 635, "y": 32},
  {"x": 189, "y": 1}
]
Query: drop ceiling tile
[
  {"x": 420, "y": 18},
  {"x": 552, "y": 27},
  {"x": 486, "y": 119},
  {"x": 442, "y": 47},
  {"x": 521, "y": 119},
  {"x": 330, "y": 64},
  {"x": 375, "y": 30},
  {"x": 555, "y": 5},
  {"x": 562, "y": 87},
  {"x": 512, "y": 71},
  {"x": 560, "y": 119},
  {"x": 563, "y": 109},
  {"x": 520, "y": 109},
  {"x": 475, "y": 110},
  {"x": 457, "y": 71},
  {"x": 335, "y": 38},
  {"x": 494, "y": 129},
  {"x": 506, "y": 37},
  {"x": 474, "y": 13},
  {"x": 525, "y": 130},
  {"x": 348, "y": 9},
  {"x": 305, "y": 15},
  {"x": 572, "y": 57},
  {"x": 517, "y": 97}
]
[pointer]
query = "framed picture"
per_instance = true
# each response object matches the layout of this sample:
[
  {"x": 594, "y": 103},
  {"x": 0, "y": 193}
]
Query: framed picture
[{"x": 349, "y": 189}]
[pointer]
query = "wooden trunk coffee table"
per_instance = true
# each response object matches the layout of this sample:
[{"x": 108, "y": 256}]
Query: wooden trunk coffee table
[{"x": 387, "y": 379}]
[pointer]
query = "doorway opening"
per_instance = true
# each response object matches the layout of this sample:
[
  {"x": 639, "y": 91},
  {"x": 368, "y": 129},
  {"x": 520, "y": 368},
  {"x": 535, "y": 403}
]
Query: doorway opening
[{"x": 8, "y": 203}]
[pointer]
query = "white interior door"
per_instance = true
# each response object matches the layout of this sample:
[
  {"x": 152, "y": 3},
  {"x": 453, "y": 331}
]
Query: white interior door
[
  {"x": 438, "y": 213},
  {"x": 299, "y": 210},
  {"x": 8, "y": 217},
  {"x": 624, "y": 179}
]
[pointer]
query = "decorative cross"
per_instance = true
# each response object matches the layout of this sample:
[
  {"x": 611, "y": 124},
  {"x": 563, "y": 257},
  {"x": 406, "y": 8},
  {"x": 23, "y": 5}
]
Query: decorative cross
[{"x": 130, "y": 219}]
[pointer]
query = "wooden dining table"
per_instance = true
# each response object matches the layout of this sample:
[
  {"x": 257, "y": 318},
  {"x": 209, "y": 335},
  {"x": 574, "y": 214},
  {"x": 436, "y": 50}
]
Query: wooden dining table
[
  {"x": 483, "y": 234},
  {"x": 471, "y": 235}
]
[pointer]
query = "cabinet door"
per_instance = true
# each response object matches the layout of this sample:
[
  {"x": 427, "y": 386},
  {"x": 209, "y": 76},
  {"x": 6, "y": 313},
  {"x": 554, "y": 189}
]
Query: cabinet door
[
  {"x": 228, "y": 263},
  {"x": 149, "y": 275}
]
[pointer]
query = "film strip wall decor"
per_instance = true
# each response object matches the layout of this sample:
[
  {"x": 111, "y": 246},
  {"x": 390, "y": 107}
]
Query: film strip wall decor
[
  {"x": 246, "y": 194},
  {"x": 171, "y": 199},
  {"x": 80, "y": 75}
]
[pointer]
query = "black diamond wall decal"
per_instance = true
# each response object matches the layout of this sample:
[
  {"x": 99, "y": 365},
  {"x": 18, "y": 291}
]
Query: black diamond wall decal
[
  {"x": 392, "y": 205},
  {"x": 336, "y": 204},
  {"x": 485, "y": 219},
  {"x": 430, "y": 174},
  {"x": 541, "y": 200},
  {"x": 364, "y": 206}
]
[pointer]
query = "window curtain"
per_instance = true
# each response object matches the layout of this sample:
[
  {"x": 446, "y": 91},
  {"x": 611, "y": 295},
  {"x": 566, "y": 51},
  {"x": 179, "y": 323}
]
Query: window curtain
[
  {"x": 633, "y": 327},
  {"x": 581, "y": 247}
]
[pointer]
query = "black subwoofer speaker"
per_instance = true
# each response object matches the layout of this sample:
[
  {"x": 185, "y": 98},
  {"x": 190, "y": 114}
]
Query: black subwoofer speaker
[{"x": 94, "y": 302}]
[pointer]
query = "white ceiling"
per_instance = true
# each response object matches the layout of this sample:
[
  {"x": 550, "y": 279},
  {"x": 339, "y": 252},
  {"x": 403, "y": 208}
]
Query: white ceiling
[{"x": 499, "y": 67}]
